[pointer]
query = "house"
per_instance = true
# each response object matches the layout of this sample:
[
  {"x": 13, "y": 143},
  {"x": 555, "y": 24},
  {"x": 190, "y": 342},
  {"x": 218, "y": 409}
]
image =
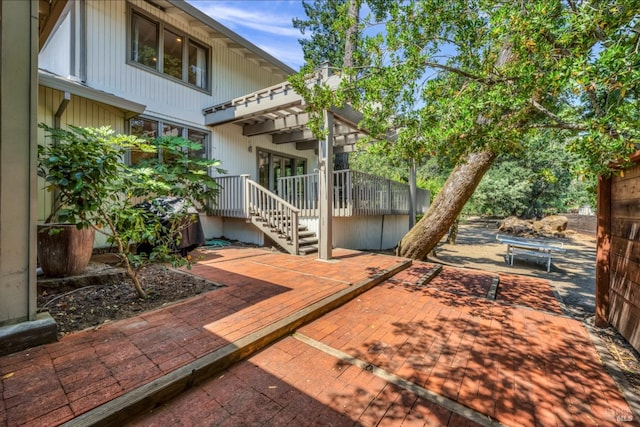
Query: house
[{"x": 162, "y": 67}]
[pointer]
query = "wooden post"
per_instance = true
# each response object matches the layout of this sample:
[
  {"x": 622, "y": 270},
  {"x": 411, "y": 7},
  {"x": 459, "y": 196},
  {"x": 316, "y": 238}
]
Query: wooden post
[
  {"x": 325, "y": 186},
  {"x": 603, "y": 260}
]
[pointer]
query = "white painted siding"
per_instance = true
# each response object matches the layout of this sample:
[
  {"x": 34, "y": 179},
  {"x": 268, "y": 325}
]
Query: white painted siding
[
  {"x": 107, "y": 68},
  {"x": 364, "y": 232},
  {"x": 56, "y": 54},
  {"x": 230, "y": 146}
]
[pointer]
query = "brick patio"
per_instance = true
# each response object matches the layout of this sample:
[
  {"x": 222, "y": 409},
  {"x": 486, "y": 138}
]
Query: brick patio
[{"x": 448, "y": 352}]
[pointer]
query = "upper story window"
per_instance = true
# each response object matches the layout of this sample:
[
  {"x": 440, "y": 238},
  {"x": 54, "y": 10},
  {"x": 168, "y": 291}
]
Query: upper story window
[{"x": 168, "y": 51}]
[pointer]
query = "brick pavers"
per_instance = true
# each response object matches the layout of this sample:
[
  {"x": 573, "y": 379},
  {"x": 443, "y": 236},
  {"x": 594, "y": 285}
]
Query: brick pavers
[
  {"x": 441, "y": 353},
  {"x": 403, "y": 355},
  {"x": 54, "y": 383}
]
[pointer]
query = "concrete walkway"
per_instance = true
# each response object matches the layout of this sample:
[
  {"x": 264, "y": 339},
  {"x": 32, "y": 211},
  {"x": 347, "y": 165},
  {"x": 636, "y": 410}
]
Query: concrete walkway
[{"x": 361, "y": 340}]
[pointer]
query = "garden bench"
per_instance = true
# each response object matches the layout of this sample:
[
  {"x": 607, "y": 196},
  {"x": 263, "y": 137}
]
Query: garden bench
[{"x": 535, "y": 248}]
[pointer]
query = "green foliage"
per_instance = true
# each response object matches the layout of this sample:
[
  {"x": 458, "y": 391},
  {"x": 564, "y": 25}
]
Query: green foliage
[
  {"x": 79, "y": 167},
  {"x": 535, "y": 183},
  {"x": 491, "y": 75},
  {"x": 96, "y": 188}
]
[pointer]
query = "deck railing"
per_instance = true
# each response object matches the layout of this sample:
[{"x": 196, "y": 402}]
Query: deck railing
[
  {"x": 230, "y": 200},
  {"x": 241, "y": 197},
  {"x": 354, "y": 193}
]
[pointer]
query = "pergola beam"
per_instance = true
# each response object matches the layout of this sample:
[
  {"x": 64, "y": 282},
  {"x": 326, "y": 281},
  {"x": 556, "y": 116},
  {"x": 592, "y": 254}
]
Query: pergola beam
[
  {"x": 280, "y": 124},
  {"x": 300, "y": 135}
]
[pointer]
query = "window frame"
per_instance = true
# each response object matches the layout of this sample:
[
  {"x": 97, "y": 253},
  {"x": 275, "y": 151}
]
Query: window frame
[
  {"x": 187, "y": 40},
  {"x": 160, "y": 133}
]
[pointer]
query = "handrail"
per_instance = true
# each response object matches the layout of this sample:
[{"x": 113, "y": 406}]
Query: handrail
[
  {"x": 273, "y": 211},
  {"x": 354, "y": 193}
]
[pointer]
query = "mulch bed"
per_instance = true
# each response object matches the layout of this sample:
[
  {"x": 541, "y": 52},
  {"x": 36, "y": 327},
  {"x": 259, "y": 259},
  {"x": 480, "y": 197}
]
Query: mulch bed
[{"x": 105, "y": 294}]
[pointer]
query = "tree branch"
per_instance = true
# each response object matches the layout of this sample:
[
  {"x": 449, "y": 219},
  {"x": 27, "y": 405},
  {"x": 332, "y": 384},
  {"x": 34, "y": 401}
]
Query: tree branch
[{"x": 559, "y": 123}]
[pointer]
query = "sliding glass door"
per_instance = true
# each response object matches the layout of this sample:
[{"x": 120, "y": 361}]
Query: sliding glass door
[{"x": 272, "y": 166}]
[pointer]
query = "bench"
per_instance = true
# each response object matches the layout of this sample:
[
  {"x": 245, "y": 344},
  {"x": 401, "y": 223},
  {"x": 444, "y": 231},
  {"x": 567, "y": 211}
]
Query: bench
[{"x": 535, "y": 248}]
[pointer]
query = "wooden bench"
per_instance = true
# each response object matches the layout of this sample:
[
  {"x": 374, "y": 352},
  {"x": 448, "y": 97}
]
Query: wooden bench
[{"x": 535, "y": 248}]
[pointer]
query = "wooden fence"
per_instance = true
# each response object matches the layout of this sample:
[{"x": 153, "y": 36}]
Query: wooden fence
[{"x": 618, "y": 257}]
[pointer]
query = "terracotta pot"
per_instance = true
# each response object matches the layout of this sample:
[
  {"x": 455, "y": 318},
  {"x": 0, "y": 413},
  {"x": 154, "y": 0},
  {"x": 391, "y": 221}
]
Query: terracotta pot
[{"x": 66, "y": 253}]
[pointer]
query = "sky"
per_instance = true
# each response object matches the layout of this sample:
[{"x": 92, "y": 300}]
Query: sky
[{"x": 265, "y": 23}]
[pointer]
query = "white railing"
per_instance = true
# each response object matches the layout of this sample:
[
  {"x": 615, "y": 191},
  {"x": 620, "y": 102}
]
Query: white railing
[
  {"x": 276, "y": 214},
  {"x": 230, "y": 200},
  {"x": 354, "y": 193},
  {"x": 241, "y": 197}
]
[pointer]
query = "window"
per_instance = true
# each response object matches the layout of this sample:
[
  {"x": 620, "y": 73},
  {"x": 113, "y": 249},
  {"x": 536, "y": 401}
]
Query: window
[
  {"x": 272, "y": 166},
  {"x": 148, "y": 128},
  {"x": 167, "y": 51},
  {"x": 145, "y": 41}
]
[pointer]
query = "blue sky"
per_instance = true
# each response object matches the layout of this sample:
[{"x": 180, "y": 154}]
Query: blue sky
[{"x": 265, "y": 23}]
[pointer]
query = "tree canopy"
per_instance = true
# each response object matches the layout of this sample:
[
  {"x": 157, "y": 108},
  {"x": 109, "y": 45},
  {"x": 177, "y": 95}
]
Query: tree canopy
[{"x": 472, "y": 80}]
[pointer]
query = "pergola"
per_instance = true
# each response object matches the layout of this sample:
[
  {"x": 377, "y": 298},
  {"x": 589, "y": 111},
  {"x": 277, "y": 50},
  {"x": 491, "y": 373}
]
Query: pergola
[{"x": 280, "y": 112}]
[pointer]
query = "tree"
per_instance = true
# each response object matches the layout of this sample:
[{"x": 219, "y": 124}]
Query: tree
[
  {"x": 109, "y": 192},
  {"x": 483, "y": 78}
]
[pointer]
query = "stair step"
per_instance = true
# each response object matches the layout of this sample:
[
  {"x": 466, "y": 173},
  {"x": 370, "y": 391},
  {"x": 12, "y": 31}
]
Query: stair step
[
  {"x": 306, "y": 250},
  {"x": 307, "y": 242},
  {"x": 305, "y": 234}
]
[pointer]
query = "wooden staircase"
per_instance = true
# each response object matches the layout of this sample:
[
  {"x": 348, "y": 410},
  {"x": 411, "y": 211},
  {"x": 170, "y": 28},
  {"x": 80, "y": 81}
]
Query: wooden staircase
[
  {"x": 307, "y": 240},
  {"x": 278, "y": 219}
]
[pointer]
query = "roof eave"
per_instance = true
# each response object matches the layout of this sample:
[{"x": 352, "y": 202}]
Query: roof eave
[
  {"x": 218, "y": 27},
  {"x": 54, "y": 81}
]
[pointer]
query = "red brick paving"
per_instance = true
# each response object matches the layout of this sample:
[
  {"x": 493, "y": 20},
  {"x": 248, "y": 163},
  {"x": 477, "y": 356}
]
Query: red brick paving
[
  {"x": 516, "y": 359},
  {"x": 52, "y": 384},
  {"x": 515, "y": 364}
]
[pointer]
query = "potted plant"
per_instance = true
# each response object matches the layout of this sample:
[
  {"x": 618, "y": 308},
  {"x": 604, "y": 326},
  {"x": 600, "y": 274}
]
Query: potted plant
[
  {"x": 77, "y": 165},
  {"x": 95, "y": 190}
]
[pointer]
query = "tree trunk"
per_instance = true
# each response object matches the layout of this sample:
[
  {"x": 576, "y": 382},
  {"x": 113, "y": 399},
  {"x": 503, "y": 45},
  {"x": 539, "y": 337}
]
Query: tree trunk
[
  {"x": 458, "y": 188},
  {"x": 351, "y": 37},
  {"x": 341, "y": 160}
]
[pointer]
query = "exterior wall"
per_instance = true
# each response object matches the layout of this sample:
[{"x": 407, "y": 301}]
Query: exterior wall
[
  {"x": 18, "y": 83},
  {"x": 232, "y": 148},
  {"x": 365, "y": 232},
  {"x": 107, "y": 68},
  {"x": 624, "y": 260},
  {"x": 232, "y": 229}
]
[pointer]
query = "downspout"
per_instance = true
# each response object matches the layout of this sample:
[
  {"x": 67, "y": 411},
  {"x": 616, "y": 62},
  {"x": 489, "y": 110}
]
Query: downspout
[
  {"x": 57, "y": 123},
  {"x": 61, "y": 109}
]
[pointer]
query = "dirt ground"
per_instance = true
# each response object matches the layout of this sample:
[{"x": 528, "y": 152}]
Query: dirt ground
[
  {"x": 105, "y": 294},
  {"x": 572, "y": 276}
]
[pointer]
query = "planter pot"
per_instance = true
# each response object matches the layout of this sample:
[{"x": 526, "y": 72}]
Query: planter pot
[{"x": 66, "y": 253}]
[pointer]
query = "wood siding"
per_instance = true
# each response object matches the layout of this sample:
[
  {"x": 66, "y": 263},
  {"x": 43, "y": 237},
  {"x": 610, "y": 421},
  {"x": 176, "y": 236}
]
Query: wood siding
[
  {"x": 624, "y": 261},
  {"x": 79, "y": 112},
  {"x": 232, "y": 74}
]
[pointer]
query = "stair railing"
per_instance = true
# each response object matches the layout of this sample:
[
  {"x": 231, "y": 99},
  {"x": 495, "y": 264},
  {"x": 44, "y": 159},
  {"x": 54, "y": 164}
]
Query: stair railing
[{"x": 275, "y": 212}]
